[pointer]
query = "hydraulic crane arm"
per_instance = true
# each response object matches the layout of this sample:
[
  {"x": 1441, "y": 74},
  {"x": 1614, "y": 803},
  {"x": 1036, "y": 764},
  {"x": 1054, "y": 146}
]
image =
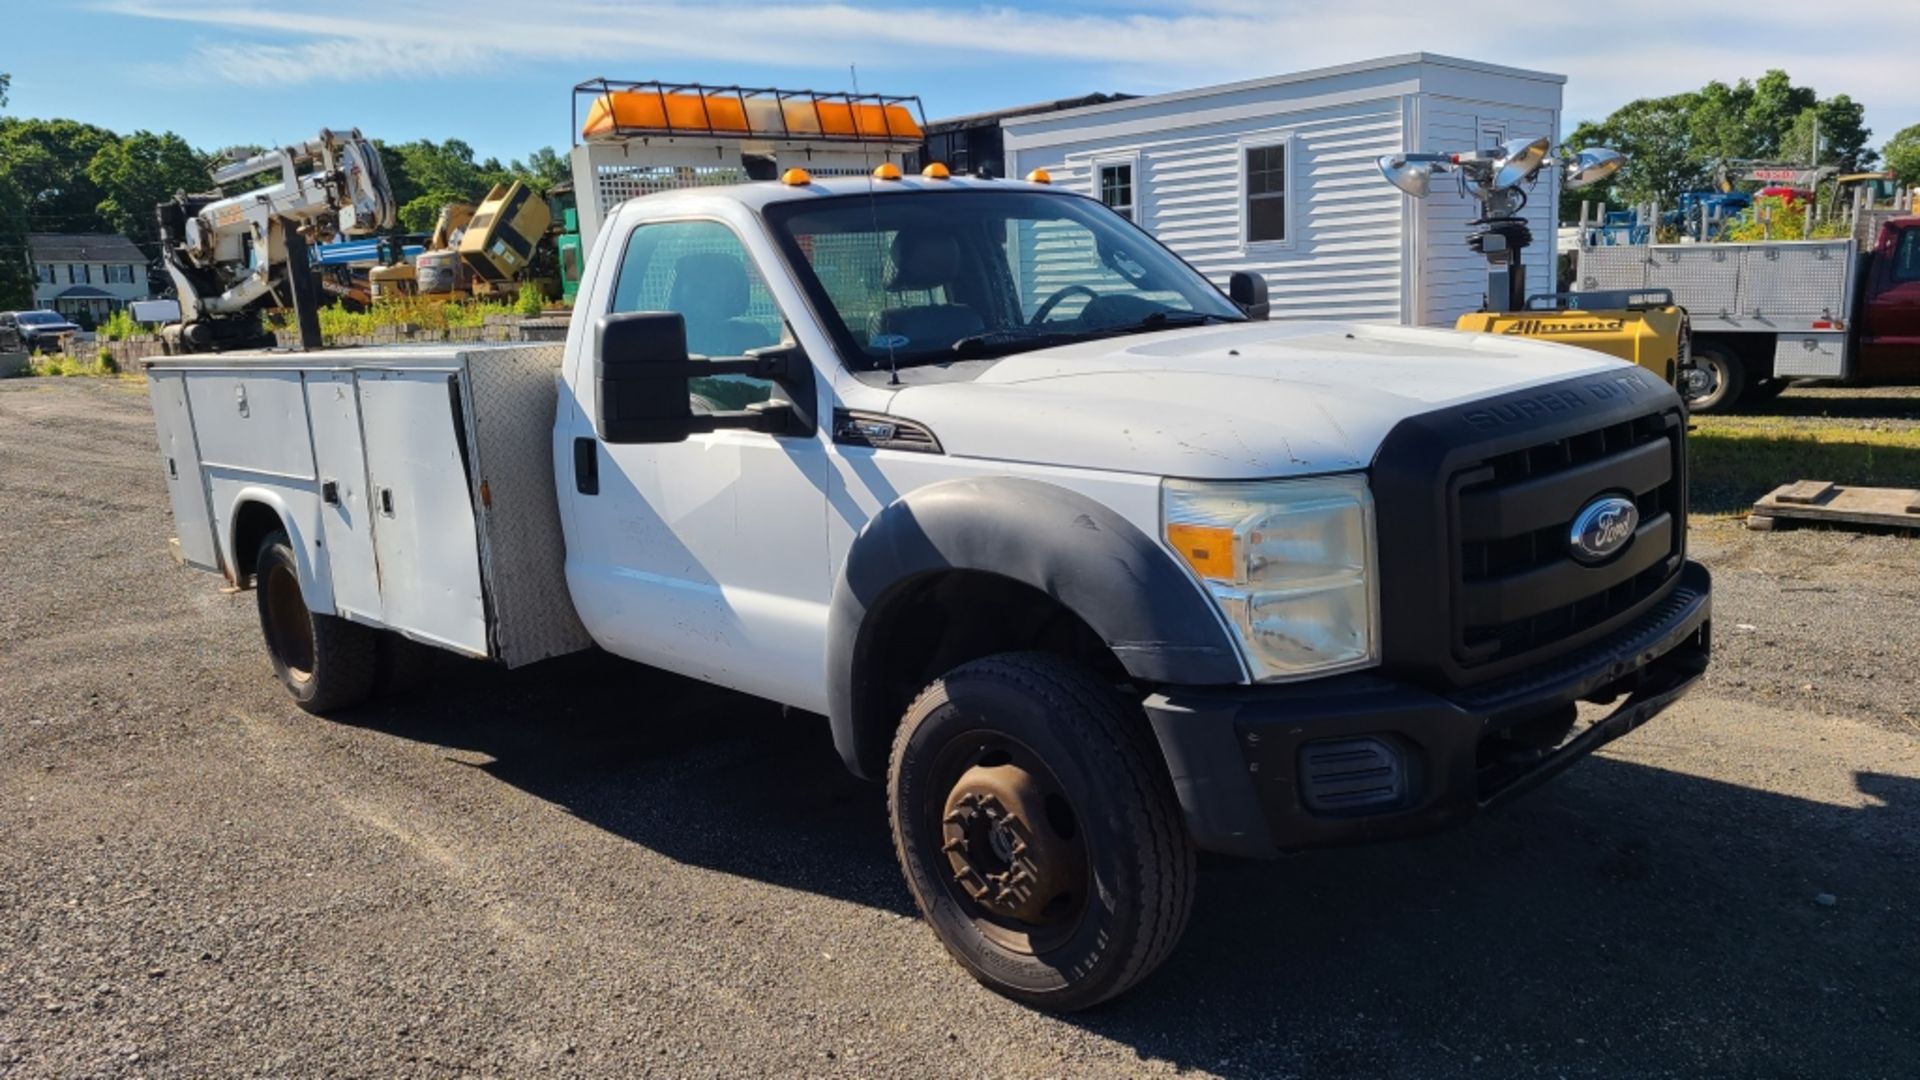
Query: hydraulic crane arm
[{"x": 233, "y": 256}]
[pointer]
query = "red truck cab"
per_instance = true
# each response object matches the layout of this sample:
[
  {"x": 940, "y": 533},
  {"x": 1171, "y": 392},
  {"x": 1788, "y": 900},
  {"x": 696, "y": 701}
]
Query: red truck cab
[{"x": 1889, "y": 320}]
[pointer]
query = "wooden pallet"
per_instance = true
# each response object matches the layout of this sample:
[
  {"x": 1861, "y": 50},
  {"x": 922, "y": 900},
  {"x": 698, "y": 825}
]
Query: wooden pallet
[{"x": 1836, "y": 504}]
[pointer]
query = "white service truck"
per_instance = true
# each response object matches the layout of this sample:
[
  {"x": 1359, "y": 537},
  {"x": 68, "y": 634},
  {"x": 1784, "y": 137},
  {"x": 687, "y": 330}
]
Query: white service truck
[{"x": 1085, "y": 560}]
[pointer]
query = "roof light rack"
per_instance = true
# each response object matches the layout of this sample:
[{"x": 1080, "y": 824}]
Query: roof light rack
[{"x": 619, "y": 108}]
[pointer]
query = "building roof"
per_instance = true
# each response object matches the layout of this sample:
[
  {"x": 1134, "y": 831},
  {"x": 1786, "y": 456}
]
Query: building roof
[
  {"x": 84, "y": 247},
  {"x": 1377, "y": 64},
  {"x": 980, "y": 119},
  {"x": 83, "y": 292}
]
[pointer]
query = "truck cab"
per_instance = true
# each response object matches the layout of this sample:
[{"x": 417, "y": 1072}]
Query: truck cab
[
  {"x": 1890, "y": 304},
  {"x": 1093, "y": 566}
]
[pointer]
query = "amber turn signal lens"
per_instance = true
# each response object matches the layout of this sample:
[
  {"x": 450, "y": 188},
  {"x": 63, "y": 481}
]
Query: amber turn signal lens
[{"x": 1207, "y": 548}]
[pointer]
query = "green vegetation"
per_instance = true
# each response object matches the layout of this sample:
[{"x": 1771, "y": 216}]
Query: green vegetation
[
  {"x": 102, "y": 363},
  {"x": 1672, "y": 143},
  {"x": 1772, "y": 218},
  {"x": 419, "y": 316},
  {"x": 119, "y": 326},
  {"x": 1736, "y": 459},
  {"x": 1903, "y": 156}
]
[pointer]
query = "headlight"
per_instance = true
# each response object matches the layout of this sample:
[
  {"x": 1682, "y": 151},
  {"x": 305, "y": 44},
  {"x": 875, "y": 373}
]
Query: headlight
[{"x": 1289, "y": 562}]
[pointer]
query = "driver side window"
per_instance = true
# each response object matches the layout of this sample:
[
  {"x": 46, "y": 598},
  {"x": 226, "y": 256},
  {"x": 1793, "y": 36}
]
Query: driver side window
[{"x": 701, "y": 270}]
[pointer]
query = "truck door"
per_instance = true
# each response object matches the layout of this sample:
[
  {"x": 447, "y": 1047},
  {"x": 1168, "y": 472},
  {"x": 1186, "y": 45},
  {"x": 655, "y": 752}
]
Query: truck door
[
  {"x": 708, "y": 556},
  {"x": 1890, "y": 323}
]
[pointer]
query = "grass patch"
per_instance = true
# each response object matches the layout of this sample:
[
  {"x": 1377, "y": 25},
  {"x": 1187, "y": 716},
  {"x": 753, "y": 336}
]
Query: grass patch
[
  {"x": 56, "y": 364},
  {"x": 420, "y": 315},
  {"x": 1737, "y": 459}
]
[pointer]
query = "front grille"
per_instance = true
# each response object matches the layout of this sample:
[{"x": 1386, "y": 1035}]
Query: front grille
[{"x": 1518, "y": 589}]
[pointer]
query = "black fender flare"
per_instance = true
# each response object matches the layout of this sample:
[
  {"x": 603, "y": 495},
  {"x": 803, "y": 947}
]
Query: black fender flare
[{"x": 1150, "y": 612}]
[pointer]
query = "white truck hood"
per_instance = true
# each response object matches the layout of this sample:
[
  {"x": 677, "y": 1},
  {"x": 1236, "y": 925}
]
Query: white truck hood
[{"x": 1238, "y": 400}]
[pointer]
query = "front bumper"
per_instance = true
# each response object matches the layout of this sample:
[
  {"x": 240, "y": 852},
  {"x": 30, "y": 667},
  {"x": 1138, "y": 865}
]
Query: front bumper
[{"x": 1349, "y": 759}]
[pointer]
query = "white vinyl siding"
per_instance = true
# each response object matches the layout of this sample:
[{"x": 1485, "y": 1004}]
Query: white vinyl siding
[
  {"x": 1344, "y": 258},
  {"x": 1354, "y": 247}
]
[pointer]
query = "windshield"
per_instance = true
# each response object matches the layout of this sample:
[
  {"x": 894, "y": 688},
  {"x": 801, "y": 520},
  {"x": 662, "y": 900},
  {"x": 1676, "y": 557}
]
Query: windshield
[
  {"x": 40, "y": 318},
  {"x": 930, "y": 277}
]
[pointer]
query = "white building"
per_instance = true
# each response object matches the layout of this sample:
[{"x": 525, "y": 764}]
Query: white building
[
  {"x": 86, "y": 276},
  {"x": 1278, "y": 175}
]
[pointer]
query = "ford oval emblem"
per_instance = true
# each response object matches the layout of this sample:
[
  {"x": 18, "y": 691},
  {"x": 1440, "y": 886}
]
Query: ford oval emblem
[{"x": 1602, "y": 528}]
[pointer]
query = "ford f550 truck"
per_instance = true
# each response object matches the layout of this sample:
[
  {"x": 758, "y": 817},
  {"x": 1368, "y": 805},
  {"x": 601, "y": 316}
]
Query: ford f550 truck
[{"x": 1091, "y": 565}]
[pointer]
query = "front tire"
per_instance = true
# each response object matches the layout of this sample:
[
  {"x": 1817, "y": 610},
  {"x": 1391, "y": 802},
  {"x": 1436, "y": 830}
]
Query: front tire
[
  {"x": 326, "y": 663},
  {"x": 1038, "y": 830}
]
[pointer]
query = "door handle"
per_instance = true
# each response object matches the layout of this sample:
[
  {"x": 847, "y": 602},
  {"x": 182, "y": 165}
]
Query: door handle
[
  {"x": 330, "y": 492},
  {"x": 386, "y": 501},
  {"x": 586, "y": 466}
]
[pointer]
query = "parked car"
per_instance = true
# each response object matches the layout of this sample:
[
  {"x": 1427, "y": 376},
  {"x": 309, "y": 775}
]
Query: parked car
[{"x": 38, "y": 329}]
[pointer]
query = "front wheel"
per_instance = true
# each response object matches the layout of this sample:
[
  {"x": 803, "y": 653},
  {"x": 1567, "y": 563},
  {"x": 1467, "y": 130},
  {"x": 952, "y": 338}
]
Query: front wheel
[
  {"x": 326, "y": 663},
  {"x": 1038, "y": 830}
]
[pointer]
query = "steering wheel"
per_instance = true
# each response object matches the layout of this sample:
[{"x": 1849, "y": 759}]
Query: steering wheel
[{"x": 1046, "y": 306}]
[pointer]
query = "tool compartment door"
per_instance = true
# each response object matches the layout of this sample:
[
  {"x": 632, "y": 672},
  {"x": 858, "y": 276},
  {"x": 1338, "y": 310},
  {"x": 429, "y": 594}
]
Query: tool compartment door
[
  {"x": 423, "y": 523},
  {"x": 346, "y": 509},
  {"x": 180, "y": 457}
]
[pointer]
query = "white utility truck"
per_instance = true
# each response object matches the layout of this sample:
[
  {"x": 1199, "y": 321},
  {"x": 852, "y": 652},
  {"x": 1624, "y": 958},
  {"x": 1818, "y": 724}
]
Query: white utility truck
[{"x": 1089, "y": 563}]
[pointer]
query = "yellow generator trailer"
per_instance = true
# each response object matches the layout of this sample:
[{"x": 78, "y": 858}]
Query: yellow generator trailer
[
  {"x": 500, "y": 245},
  {"x": 1643, "y": 326}
]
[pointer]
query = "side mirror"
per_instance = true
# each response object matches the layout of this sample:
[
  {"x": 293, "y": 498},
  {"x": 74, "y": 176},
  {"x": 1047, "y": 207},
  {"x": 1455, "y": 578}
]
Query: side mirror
[
  {"x": 640, "y": 378},
  {"x": 1248, "y": 291}
]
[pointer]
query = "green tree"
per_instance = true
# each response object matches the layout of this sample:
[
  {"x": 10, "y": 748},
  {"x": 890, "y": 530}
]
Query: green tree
[
  {"x": 1903, "y": 156},
  {"x": 140, "y": 171},
  {"x": 418, "y": 215},
  {"x": 542, "y": 170},
  {"x": 1674, "y": 143},
  {"x": 47, "y": 161},
  {"x": 6, "y": 83}
]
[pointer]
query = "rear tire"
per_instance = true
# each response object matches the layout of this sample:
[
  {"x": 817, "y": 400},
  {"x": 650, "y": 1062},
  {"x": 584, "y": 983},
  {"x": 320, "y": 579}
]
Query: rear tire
[
  {"x": 326, "y": 663},
  {"x": 1724, "y": 379},
  {"x": 1038, "y": 830}
]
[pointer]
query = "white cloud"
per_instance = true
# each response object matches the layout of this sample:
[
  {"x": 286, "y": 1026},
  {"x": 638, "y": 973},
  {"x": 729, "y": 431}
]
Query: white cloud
[{"x": 1131, "y": 47}]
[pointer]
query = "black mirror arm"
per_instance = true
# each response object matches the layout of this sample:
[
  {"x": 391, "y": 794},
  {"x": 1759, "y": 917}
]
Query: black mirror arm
[{"x": 775, "y": 362}]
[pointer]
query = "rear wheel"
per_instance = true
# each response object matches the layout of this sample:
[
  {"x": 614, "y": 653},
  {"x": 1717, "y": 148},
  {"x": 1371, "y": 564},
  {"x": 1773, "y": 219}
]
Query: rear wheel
[
  {"x": 1038, "y": 830},
  {"x": 1714, "y": 380},
  {"x": 326, "y": 663}
]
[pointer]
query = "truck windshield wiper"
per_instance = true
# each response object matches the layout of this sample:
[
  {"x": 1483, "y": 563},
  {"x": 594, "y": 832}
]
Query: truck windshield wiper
[
  {"x": 978, "y": 345},
  {"x": 1162, "y": 320}
]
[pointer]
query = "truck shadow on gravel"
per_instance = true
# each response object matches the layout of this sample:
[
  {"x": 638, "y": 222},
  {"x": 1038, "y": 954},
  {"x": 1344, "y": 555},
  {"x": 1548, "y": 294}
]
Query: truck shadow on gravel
[{"x": 1622, "y": 921}]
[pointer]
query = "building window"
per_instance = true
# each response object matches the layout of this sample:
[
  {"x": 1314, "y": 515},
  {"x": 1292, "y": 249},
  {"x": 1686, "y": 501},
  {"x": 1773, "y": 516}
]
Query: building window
[
  {"x": 118, "y": 275},
  {"x": 79, "y": 274},
  {"x": 1116, "y": 188},
  {"x": 1266, "y": 193},
  {"x": 44, "y": 274}
]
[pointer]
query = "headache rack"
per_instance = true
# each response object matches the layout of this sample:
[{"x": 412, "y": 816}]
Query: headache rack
[{"x": 638, "y": 138}]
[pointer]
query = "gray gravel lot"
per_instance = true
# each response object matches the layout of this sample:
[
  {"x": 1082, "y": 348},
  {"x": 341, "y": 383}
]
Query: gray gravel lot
[{"x": 588, "y": 868}]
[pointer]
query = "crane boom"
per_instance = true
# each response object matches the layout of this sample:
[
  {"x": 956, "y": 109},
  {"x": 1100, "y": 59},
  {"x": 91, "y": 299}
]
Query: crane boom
[{"x": 233, "y": 256}]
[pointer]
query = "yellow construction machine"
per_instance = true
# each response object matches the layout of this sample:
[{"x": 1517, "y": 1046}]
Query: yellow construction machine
[{"x": 1642, "y": 326}]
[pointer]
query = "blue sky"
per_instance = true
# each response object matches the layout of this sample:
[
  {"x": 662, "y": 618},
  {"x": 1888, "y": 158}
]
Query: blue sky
[{"x": 496, "y": 72}]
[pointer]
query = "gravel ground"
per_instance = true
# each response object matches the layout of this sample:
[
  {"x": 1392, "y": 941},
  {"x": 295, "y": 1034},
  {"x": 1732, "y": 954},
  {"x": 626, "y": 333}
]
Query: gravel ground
[{"x": 587, "y": 868}]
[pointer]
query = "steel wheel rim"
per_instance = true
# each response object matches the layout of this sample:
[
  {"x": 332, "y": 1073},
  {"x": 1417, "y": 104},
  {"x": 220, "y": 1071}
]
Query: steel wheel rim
[
  {"x": 1714, "y": 377},
  {"x": 289, "y": 628},
  {"x": 1010, "y": 851}
]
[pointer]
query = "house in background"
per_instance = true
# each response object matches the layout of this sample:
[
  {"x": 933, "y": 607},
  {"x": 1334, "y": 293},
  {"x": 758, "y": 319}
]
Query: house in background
[
  {"x": 974, "y": 145},
  {"x": 86, "y": 276},
  {"x": 1278, "y": 176}
]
